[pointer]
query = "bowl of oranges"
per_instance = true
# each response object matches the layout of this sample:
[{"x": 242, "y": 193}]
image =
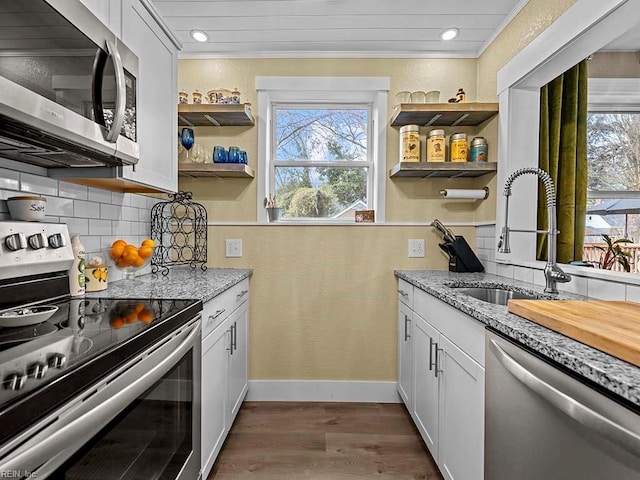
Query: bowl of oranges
[{"x": 130, "y": 258}]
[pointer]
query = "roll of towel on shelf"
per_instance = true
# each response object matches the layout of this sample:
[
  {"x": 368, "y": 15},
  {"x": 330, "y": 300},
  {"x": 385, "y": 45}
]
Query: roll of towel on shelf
[{"x": 473, "y": 194}]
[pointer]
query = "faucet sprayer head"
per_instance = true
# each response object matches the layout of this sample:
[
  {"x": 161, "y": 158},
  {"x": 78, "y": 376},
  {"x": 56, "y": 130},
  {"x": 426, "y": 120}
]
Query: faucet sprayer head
[{"x": 503, "y": 244}]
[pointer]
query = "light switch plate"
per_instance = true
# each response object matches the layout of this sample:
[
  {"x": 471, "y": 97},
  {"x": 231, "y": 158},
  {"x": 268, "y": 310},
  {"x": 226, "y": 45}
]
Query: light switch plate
[
  {"x": 416, "y": 248},
  {"x": 233, "y": 247}
]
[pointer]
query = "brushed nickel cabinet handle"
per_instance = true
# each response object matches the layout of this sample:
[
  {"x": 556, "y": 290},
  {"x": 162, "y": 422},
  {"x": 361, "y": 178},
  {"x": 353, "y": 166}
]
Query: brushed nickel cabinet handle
[
  {"x": 406, "y": 333},
  {"x": 403, "y": 293}
]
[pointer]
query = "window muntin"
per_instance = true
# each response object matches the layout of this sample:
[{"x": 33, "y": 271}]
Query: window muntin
[{"x": 321, "y": 160}]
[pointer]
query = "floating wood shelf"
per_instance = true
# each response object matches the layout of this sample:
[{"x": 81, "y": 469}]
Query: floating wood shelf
[
  {"x": 211, "y": 115},
  {"x": 443, "y": 114},
  {"x": 217, "y": 170},
  {"x": 442, "y": 169}
]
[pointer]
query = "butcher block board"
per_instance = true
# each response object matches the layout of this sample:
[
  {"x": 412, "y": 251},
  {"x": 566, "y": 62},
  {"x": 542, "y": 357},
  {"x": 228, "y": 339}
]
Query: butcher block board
[{"x": 610, "y": 326}]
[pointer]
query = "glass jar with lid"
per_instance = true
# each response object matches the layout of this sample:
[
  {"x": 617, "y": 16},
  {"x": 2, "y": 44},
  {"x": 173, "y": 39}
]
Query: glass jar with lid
[{"x": 410, "y": 143}]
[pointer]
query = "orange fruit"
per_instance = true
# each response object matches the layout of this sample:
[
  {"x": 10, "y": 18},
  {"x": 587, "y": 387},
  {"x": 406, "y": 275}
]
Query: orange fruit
[
  {"x": 149, "y": 243},
  {"x": 139, "y": 261},
  {"x": 145, "y": 316},
  {"x": 119, "y": 242},
  {"x": 117, "y": 322},
  {"x": 116, "y": 251},
  {"x": 145, "y": 252},
  {"x": 130, "y": 256},
  {"x": 139, "y": 307},
  {"x": 122, "y": 263},
  {"x": 131, "y": 316}
]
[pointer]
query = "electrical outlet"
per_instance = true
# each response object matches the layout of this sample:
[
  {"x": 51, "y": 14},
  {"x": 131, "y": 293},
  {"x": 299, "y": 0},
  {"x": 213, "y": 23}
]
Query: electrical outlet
[
  {"x": 416, "y": 247},
  {"x": 233, "y": 247}
]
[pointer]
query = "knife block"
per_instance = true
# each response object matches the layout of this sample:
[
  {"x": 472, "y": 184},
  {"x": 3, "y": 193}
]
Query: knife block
[{"x": 461, "y": 256}]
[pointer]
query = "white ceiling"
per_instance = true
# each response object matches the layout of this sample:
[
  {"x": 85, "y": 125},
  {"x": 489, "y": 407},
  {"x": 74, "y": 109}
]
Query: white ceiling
[{"x": 342, "y": 28}]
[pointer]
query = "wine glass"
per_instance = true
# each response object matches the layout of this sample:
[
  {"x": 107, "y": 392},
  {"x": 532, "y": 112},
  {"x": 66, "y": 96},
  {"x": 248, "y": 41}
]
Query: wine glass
[{"x": 187, "y": 139}]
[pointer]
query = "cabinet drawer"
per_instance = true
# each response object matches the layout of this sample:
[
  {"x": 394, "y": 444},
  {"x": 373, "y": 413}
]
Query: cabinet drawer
[
  {"x": 405, "y": 293},
  {"x": 466, "y": 332},
  {"x": 220, "y": 307}
]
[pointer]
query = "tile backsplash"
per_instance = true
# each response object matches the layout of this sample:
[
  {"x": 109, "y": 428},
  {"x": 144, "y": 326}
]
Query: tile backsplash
[
  {"x": 581, "y": 284},
  {"x": 98, "y": 216}
]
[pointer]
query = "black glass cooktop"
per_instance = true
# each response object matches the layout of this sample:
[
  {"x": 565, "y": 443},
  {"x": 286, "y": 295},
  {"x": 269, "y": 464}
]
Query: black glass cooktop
[{"x": 44, "y": 364}]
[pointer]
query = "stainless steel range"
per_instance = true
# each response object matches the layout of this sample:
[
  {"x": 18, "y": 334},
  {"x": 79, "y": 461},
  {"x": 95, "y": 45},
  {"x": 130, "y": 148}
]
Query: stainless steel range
[{"x": 92, "y": 388}]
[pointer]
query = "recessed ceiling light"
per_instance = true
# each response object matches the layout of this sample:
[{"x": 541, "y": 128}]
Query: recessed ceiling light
[
  {"x": 449, "y": 34},
  {"x": 199, "y": 35}
]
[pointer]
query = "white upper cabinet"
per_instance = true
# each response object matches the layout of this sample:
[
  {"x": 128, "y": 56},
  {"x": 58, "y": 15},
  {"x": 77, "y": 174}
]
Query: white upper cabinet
[{"x": 157, "y": 97}]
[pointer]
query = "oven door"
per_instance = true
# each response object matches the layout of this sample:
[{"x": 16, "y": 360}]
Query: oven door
[{"x": 142, "y": 421}]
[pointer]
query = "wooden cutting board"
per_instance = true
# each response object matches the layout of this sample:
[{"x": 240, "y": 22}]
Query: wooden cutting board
[{"x": 610, "y": 326}]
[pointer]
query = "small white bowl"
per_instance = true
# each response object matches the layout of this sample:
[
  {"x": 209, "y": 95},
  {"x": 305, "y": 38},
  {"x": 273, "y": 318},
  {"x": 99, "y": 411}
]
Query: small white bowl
[{"x": 28, "y": 208}]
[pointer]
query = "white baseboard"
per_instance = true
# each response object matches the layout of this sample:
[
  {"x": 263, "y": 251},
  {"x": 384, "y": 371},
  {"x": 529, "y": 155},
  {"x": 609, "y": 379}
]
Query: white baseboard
[{"x": 322, "y": 391}]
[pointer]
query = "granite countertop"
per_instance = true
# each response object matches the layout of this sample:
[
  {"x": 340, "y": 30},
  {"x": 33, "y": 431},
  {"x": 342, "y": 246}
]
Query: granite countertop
[
  {"x": 613, "y": 374},
  {"x": 181, "y": 282}
]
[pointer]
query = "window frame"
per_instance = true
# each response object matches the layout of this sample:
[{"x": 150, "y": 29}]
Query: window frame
[
  {"x": 613, "y": 95},
  {"x": 371, "y": 92}
]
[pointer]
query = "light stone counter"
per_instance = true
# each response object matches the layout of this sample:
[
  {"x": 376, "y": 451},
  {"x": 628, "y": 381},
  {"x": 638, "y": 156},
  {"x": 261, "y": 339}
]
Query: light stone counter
[{"x": 599, "y": 368}]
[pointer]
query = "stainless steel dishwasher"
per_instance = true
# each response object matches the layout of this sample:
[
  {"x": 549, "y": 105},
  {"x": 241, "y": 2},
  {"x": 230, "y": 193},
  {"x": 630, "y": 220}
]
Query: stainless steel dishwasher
[{"x": 542, "y": 423}]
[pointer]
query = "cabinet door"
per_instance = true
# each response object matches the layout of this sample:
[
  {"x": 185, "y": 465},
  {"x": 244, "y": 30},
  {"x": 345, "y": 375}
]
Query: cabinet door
[
  {"x": 238, "y": 361},
  {"x": 157, "y": 99},
  {"x": 214, "y": 394},
  {"x": 425, "y": 383},
  {"x": 405, "y": 354},
  {"x": 461, "y": 434}
]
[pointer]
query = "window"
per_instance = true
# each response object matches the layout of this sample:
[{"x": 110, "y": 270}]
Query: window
[
  {"x": 322, "y": 145},
  {"x": 613, "y": 155}
]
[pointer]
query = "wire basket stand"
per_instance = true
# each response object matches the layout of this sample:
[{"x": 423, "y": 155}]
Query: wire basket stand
[{"x": 179, "y": 228}]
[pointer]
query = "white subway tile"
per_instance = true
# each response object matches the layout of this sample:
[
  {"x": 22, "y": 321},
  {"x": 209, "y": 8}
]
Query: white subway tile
[
  {"x": 110, "y": 212},
  {"x": 99, "y": 195},
  {"x": 151, "y": 202},
  {"x": 504, "y": 270},
  {"x": 577, "y": 285},
  {"x": 538, "y": 278},
  {"x": 139, "y": 201},
  {"x": 130, "y": 214},
  {"x": 121, "y": 227},
  {"x": 604, "y": 290},
  {"x": 91, "y": 244},
  {"x": 144, "y": 215},
  {"x": 51, "y": 219},
  {"x": 36, "y": 184},
  {"x": 86, "y": 209},
  {"x": 9, "y": 179},
  {"x": 117, "y": 198},
  {"x": 633, "y": 293},
  {"x": 523, "y": 274},
  {"x": 79, "y": 226},
  {"x": 71, "y": 190},
  {"x": 126, "y": 201},
  {"x": 490, "y": 267},
  {"x": 5, "y": 216},
  {"x": 60, "y": 207},
  {"x": 100, "y": 227}
]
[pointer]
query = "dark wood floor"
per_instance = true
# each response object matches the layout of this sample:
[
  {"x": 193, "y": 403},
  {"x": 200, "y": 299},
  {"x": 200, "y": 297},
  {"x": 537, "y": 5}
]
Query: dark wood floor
[{"x": 324, "y": 441}]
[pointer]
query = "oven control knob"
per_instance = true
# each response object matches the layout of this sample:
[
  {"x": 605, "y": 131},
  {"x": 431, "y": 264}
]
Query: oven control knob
[
  {"x": 14, "y": 381},
  {"x": 16, "y": 241},
  {"x": 38, "y": 241},
  {"x": 57, "y": 240},
  {"x": 57, "y": 360},
  {"x": 37, "y": 370}
]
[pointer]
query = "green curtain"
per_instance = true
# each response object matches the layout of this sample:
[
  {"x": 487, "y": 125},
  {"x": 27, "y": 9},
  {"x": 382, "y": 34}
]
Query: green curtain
[{"x": 563, "y": 154}]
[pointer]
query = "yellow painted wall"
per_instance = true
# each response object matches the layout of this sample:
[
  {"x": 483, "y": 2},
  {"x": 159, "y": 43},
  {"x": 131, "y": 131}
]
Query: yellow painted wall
[
  {"x": 323, "y": 301},
  {"x": 530, "y": 22}
]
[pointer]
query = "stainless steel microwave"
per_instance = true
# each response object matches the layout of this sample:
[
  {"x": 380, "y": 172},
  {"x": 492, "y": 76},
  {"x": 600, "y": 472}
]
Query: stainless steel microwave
[{"x": 67, "y": 87}]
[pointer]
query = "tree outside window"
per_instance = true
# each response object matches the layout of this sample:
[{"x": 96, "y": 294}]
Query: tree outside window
[{"x": 322, "y": 163}]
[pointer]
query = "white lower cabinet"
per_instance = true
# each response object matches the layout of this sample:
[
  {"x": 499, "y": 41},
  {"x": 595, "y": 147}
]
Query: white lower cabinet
[
  {"x": 448, "y": 386},
  {"x": 405, "y": 354},
  {"x": 225, "y": 373}
]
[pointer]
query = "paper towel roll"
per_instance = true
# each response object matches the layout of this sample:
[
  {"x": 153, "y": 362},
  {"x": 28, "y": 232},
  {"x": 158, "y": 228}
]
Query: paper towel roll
[{"x": 469, "y": 193}]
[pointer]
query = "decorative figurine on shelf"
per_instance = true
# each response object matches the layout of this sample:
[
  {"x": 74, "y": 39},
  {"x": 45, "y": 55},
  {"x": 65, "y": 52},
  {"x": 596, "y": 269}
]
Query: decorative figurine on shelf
[
  {"x": 461, "y": 96},
  {"x": 183, "y": 97}
]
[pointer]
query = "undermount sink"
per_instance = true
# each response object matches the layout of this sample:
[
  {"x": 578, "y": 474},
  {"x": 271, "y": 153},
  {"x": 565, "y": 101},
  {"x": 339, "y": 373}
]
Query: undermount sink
[{"x": 498, "y": 296}]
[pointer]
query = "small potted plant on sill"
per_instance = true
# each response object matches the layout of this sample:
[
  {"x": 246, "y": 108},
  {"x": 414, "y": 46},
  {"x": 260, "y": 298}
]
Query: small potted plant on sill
[
  {"x": 614, "y": 253},
  {"x": 273, "y": 212}
]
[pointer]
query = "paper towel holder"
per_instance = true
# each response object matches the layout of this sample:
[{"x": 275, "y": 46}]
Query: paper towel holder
[{"x": 444, "y": 193}]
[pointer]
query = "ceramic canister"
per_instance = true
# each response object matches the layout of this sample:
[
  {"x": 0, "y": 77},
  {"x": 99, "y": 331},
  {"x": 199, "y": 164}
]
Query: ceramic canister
[
  {"x": 479, "y": 149},
  {"x": 435, "y": 146},
  {"x": 410, "y": 143},
  {"x": 458, "y": 147}
]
